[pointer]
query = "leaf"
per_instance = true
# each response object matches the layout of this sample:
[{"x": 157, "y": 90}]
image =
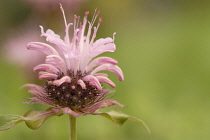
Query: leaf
[
  {"x": 33, "y": 119},
  {"x": 9, "y": 121},
  {"x": 120, "y": 118}
]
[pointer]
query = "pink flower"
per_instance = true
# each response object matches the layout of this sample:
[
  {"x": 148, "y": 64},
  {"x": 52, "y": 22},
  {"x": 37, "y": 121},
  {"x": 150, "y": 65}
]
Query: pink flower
[{"x": 72, "y": 73}]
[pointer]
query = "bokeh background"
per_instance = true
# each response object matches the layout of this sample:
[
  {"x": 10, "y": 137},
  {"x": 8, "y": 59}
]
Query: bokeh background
[{"x": 163, "y": 48}]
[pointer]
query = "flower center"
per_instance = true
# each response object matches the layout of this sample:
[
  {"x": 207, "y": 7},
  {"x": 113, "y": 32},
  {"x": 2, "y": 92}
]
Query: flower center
[{"x": 71, "y": 94}]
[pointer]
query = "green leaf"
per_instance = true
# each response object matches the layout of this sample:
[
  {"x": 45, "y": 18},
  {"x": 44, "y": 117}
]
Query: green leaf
[
  {"x": 9, "y": 121},
  {"x": 120, "y": 118},
  {"x": 33, "y": 119}
]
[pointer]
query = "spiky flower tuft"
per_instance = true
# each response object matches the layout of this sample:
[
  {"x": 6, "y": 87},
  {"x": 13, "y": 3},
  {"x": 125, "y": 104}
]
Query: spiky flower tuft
[{"x": 72, "y": 73}]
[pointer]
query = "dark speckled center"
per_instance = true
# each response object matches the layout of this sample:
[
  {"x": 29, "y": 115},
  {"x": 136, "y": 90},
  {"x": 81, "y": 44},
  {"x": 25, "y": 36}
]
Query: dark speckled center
[{"x": 71, "y": 94}]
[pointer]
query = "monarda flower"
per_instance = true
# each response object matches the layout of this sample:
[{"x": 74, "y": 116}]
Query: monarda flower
[
  {"x": 72, "y": 69},
  {"x": 73, "y": 78}
]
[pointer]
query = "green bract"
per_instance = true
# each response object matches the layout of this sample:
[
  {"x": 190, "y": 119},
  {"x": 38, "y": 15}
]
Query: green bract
[{"x": 35, "y": 119}]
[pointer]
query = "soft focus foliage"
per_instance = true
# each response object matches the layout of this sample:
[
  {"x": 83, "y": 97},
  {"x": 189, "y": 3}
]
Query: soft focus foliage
[{"x": 164, "y": 51}]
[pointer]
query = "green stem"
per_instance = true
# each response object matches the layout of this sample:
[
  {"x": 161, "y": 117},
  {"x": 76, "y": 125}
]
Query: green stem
[{"x": 72, "y": 121}]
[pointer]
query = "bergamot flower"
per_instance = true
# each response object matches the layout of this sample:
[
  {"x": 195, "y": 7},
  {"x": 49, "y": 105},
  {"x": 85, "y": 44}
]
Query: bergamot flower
[
  {"x": 73, "y": 77},
  {"x": 72, "y": 70}
]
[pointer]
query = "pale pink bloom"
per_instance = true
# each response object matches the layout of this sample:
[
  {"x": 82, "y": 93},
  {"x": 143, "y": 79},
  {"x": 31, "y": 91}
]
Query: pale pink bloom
[{"x": 73, "y": 74}]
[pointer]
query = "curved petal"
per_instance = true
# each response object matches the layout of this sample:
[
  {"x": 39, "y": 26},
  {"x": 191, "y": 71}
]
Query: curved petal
[
  {"x": 93, "y": 81},
  {"x": 39, "y": 95},
  {"x": 101, "y": 74},
  {"x": 35, "y": 90},
  {"x": 103, "y": 95},
  {"x": 46, "y": 67},
  {"x": 67, "y": 110},
  {"x": 107, "y": 91},
  {"x": 54, "y": 38},
  {"x": 103, "y": 104},
  {"x": 81, "y": 83},
  {"x": 100, "y": 61},
  {"x": 62, "y": 80},
  {"x": 110, "y": 47},
  {"x": 42, "y": 47},
  {"x": 56, "y": 61},
  {"x": 47, "y": 75},
  {"x": 103, "y": 79},
  {"x": 40, "y": 100},
  {"x": 112, "y": 68},
  {"x": 102, "y": 41}
]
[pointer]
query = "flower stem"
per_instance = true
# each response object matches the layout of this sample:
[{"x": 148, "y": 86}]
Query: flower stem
[{"x": 72, "y": 121}]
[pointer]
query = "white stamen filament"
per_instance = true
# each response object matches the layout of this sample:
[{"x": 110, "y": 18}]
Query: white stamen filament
[
  {"x": 94, "y": 33},
  {"x": 63, "y": 15},
  {"x": 114, "y": 36},
  {"x": 96, "y": 13}
]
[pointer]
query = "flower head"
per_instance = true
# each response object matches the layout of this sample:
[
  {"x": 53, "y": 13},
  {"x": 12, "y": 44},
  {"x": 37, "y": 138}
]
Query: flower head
[{"x": 72, "y": 73}]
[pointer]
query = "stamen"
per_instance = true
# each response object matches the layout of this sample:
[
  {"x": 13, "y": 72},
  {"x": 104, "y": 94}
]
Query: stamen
[
  {"x": 100, "y": 20},
  {"x": 94, "y": 33},
  {"x": 86, "y": 13},
  {"x": 114, "y": 36},
  {"x": 96, "y": 29},
  {"x": 75, "y": 22},
  {"x": 78, "y": 18},
  {"x": 93, "y": 16},
  {"x": 96, "y": 13},
  {"x": 63, "y": 14}
]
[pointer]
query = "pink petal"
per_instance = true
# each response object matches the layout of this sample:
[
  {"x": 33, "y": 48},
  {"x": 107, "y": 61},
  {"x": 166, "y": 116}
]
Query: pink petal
[
  {"x": 112, "y": 68},
  {"x": 67, "y": 110},
  {"x": 103, "y": 79},
  {"x": 34, "y": 100},
  {"x": 40, "y": 100},
  {"x": 39, "y": 93},
  {"x": 110, "y": 47},
  {"x": 103, "y": 94},
  {"x": 93, "y": 81},
  {"x": 42, "y": 47},
  {"x": 46, "y": 67},
  {"x": 54, "y": 38},
  {"x": 56, "y": 110},
  {"x": 81, "y": 83},
  {"x": 102, "y": 41},
  {"x": 100, "y": 61},
  {"x": 56, "y": 61},
  {"x": 35, "y": 90},
  {"x": 62, "y": 80},
  {"x": 101, "y": 74},
  {"x": 47, "y": 75},
  {"x": 107, "y": 91},
  {"x": 103, "y": 104}
]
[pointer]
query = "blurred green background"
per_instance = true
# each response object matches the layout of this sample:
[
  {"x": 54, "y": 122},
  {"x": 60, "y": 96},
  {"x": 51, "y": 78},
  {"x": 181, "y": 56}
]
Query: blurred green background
[{"x": 163, "y": 48}]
